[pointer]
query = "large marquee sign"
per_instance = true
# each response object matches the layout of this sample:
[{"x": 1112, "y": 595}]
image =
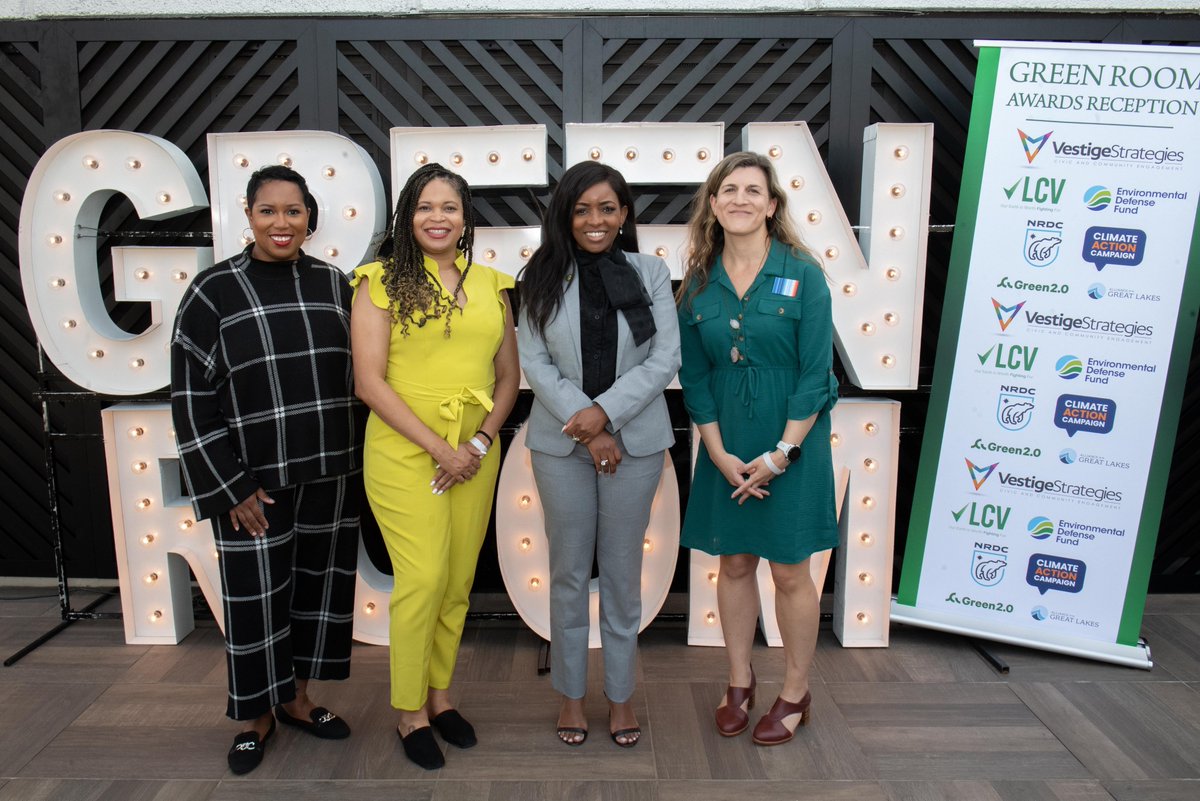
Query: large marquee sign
[
  {"x": 1070, "y": 311},
  {"x": 877, "y": 280}
]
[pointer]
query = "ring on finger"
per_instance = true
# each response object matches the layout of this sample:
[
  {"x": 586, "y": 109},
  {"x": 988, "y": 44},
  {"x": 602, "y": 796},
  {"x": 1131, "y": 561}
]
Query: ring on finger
[{"x": 604, "y": 463}]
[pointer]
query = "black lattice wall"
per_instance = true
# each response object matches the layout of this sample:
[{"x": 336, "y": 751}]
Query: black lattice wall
[{"x": 183, "y": 79}]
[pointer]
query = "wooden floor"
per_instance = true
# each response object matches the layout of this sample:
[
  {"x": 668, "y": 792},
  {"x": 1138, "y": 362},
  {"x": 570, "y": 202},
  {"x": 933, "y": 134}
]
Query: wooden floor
[{"x": 88, "y": 717}]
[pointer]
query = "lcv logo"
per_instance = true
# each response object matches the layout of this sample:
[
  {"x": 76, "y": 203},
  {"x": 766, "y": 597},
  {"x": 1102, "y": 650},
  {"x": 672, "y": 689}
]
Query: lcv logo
[
  {"x": 987, "y": 516},
  {"x": 1012, "y": 358},
  {"x": 1039, "y": 191}
]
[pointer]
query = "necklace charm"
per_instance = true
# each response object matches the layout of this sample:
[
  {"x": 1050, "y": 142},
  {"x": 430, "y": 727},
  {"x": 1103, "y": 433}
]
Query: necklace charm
[{"x": 734, "y": 355}]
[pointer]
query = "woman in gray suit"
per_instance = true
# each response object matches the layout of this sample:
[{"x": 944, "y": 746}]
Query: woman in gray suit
[{"x": 599, "y": 342}]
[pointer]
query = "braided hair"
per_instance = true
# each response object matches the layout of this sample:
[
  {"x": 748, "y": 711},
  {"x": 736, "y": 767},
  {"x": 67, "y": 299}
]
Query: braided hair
[{"x": 414, "y": 296}]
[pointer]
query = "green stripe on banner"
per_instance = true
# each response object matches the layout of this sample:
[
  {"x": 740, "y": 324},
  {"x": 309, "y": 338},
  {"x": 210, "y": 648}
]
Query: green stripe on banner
[
  {"x": 1164, "y": 447},
  {"x": 952, "y": 309}
]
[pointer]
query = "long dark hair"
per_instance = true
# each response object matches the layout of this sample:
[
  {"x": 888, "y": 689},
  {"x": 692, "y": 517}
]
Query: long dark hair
[
  {"x": 542, "y": 277},
  {"x": 278, "y": 172},
  {"x": 413, "y": 295}
]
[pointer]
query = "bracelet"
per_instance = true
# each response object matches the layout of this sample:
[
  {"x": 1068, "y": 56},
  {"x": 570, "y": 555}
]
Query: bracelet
[
  {"x": 485, "y": 436},
  {"x": 766, "y": 457},
  {"x": 479, "y": 446}
]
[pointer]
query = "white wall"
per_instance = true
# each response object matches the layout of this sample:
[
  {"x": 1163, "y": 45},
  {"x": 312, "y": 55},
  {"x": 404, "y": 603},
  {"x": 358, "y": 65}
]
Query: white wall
[{"x": 42, "y": 9}]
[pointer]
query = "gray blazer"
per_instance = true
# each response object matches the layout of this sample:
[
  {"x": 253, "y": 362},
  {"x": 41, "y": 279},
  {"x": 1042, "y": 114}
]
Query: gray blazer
[{"x": 635, "y": 405}]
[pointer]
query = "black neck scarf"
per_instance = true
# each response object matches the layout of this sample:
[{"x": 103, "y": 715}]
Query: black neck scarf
[{"x": 623, "y": 288}]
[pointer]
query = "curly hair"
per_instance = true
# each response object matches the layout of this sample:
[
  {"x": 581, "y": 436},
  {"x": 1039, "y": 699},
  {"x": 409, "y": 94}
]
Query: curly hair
[
  {"x": 706, "y": 237},
  {"x": 542, "y": 277},
  {"x": 414, "y": 296}
]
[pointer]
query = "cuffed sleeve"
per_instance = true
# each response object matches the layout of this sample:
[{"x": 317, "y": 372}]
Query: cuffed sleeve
[{"x": 816, "y": 388}]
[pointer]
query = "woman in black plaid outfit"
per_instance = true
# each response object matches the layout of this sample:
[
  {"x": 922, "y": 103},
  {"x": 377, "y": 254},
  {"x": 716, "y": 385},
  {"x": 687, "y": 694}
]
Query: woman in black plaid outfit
[{"x": 269, "y": 436}]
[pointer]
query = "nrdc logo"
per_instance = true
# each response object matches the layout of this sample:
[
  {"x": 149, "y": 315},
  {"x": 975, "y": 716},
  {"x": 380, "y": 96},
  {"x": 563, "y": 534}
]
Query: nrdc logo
[
  {"x": 1097, "y": 198},
  {"x": 980, "y": 475},
  {"x": 1040, "y": 528},
  {"x": 1069, "y": 367},
  {"x": 1033, "y": 144}
]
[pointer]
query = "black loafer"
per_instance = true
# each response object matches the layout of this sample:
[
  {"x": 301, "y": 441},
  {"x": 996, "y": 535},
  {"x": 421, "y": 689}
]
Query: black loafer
[
  {"x": 322, "y": 723},
  {"x": 247, "y": 751},
  {"x": 455, "y": 729},
  {"x": 422, "y": 749}
]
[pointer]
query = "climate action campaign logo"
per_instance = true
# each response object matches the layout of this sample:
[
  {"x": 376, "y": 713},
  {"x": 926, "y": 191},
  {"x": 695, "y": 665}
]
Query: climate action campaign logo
[
  {"x": 1104, "y": 246},
  {"x": 1075, "y": 413},
  {"x": 1047, "y": 572}
]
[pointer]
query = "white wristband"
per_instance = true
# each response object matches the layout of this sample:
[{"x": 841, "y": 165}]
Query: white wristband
[
  {"x": 479, "y": 446},
  {"x": 766, "y": 457}
]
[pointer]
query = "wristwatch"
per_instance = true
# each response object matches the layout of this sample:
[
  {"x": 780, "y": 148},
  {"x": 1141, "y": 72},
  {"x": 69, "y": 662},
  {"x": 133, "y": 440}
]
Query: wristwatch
[{"x": 792, "y": 452}]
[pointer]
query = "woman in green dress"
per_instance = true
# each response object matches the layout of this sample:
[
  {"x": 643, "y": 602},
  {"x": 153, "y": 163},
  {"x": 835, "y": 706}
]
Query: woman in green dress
[{"x": 756, "y": 330}]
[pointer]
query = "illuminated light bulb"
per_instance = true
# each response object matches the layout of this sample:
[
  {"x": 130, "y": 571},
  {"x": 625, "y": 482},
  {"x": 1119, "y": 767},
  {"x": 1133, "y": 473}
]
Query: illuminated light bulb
[
  {"x": 58, "y": 283},
  {"x": 892, "y": 274},
  {"x": 831, "y": 252},
  {"x": 849, "y": 290},
  {"x": 143, "y": 503},
  {"x": 148, "y": 539},
  {"x": 133, "y": 164},
  {"x": 534, "y": 583},
  {"x": 631, "y": 154},
  {"x": 871, "y": 429},
  {"x": 870, "y": 465},
  {"x": 526, "y": 543},
  {"x": 164, "y": 197},
  {"x": 489, "y": 254},
  {"x": 661, "y": 252},
  {"x": 813, "y": 217},
  {"x": 369, "y": 607},
  {"x": 896, "y": 232},
  {"x": 456, "y": 159},
  {"x": 897, "y": 190},
  {"x": 891, "y": 318},
  {"x": 96, "y": 354},
  {"x": 155, "y": 616},
  {"x": 420, "y": 157},
  {"x": 331, "y": 252},
  {"x": 136, "y": 431},
  {"x": 285, "y": 159},
  {"x": 139, "y": 467},
  {"x": 349, "y": 212},
  {"x": 712, "y": 578},
  {"x": 594, "y": 154},
  {"x": 863, "y": 617},
  {"x": 137, "y": 363},
  {"x": 774, "y": 151},
  {"x": 524, "y": 501},
  {"x": 54, "y": 239},
  {"x": 797, "y": 182},
  {"x": 867, "y": 328},
  {"x": 241, "y": 161},
  {"x": 142, "y": 275},
  {"x": 888, "y": 360},
  {"x": 62, "y": 197},
  {"x": 328, "y": 171},
  {"x": 91, "y": 162},
  {"x": 710, "y": 618},
  {"x": 668, "y": 155},
  {"x": 702, "y": 154},
  {"x": 69, "y": 324},
  {"x": 868, "y": 502},
  {"x": 527, "y": 154},
  {"x": 493, "y": 157},
  {"x": 866, "y": 539},
  {"x": 179, "y": 276},
  {"x": 186, "y": 524},
  {"x": 865, "y": 577},
  {"x": 526, "y": 252},
  {"x": 835, "y": 439},
  {"x": 900, "y": 153},
  {"x": 151, "y": 578},
  {"x": 647, "y": 546}
]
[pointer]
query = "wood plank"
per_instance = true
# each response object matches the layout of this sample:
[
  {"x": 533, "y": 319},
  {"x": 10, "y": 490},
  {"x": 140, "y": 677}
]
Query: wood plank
[{"x": 91, "y": 790}]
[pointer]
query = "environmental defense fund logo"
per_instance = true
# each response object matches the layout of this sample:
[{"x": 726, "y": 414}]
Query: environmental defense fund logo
[
  {"x": 1033, "y": 144},
  {"x": 1013, "y": 410},
  {"x": 979, "y": 475},
  {"x": 1069, "y": 367},
  {"x": 1040, "y": 528},
  {"x": 1042, "y": 245},
  {"x": 1006, "y": 314},
  {"x": 988, "y": 563},
  {"x": 1097, "y": 198}
]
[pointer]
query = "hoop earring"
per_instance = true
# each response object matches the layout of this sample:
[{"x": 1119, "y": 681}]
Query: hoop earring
[{"x": 247, "y": 234}]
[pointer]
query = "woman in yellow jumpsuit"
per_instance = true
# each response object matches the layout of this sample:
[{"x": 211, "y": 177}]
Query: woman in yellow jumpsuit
[{"x": 435, "y": 359}]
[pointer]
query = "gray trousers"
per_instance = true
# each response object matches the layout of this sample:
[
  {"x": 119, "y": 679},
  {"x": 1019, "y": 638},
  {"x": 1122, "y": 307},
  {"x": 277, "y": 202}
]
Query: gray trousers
[{"x": 587, "y": 513}]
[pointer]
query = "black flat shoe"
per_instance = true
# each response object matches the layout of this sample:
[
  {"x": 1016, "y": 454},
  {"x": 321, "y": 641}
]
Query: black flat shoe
[
  {"x": 322, "y": 723},
  {"x": 247, "y": 751},
  {"x": 422, "y": 749},
  {"x": 455, "y": 729}
]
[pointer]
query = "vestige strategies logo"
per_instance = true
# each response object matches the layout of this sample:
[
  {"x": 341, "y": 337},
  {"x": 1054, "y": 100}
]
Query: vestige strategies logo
[
  {"x": 1058, "y": 487},
  {"x": 1033, "y": 144},
  {"x": 979, "y": 473},
  {"x": 1006, "y": 314}
]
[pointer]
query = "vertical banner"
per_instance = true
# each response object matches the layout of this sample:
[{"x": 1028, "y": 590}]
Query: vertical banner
[{"x": 1070, "y": 311}]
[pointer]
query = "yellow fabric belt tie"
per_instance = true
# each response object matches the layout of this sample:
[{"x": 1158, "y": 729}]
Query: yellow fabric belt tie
[{"x": 451, "y": 410}]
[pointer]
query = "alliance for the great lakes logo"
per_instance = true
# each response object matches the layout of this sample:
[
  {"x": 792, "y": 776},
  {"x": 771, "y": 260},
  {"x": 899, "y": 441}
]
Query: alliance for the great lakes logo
[
  {"x": 1006, "y": 314},
  {"x": 988, "y": 562},
  {"x": 980, "y": 473},
  {"x": 1033, "y": 144},
  {"x": 1014, "y": 407}
]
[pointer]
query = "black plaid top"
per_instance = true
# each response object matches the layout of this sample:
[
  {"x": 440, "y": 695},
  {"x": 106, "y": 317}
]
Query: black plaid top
[{"x": 261, "y": 381}]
